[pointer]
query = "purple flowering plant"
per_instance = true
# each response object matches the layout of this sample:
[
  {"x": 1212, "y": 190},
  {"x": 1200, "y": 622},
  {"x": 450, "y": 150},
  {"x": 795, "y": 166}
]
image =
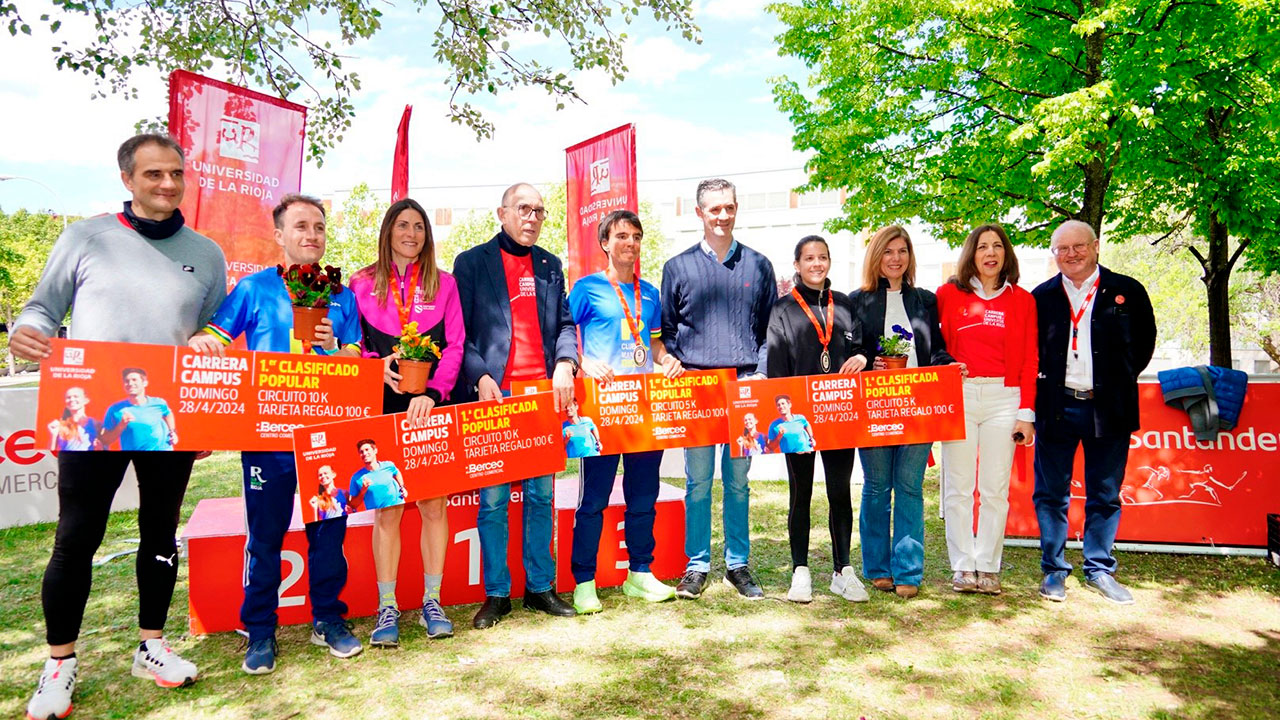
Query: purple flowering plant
[{"x": 898, "y": 343}]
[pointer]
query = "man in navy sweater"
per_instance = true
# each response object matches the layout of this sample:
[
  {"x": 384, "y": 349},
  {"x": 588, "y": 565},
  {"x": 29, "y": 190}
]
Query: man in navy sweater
[{"x": 716, "y": 298}]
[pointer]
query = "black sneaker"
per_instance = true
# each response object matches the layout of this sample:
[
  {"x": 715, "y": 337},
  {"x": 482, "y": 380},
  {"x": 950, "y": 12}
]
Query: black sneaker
[
  {"x": 692, "y": 585},
  {"x": 740, "y": 579}
]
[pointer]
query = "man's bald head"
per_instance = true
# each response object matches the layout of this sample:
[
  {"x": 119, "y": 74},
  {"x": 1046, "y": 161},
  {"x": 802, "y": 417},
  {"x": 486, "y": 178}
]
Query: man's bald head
[
  {"x": 522, "y": 213},
  {"x": 1075, "y": 248}
]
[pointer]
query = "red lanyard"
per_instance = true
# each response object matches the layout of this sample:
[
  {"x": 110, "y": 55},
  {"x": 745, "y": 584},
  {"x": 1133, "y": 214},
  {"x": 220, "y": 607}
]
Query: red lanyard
[
  {"x": 824, "y": 337},
  {"x": 631, "y": 319},
  {"x": 404, "y": 306},
  {"x": 1077, "y": 316}
]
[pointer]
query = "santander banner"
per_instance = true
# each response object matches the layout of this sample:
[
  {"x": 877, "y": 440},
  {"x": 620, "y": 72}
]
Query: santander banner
[
  {"x": 601, "y": 178},
  {"x": 1178, "y": 490},
  {"x": 244, "y": 152}
]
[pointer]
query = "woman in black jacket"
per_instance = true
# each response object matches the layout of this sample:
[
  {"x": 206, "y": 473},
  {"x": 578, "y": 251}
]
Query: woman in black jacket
[
  {"x": 888, "y": 304},
  {"x": 811, "y": 333}
]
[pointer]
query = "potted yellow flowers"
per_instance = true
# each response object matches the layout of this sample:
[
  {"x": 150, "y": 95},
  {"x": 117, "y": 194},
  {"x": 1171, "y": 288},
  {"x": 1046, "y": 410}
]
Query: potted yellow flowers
[{"x": 416, "y": 354}]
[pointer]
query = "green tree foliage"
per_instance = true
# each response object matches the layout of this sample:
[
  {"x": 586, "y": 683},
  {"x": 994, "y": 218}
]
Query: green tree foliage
[
  {"x": 479, "y": 227},
  {"x": 272, "y": 46},
  {"x": 353, "y": 230},
  {"x": 25, "y": 241},
  {"x": 1172, "y": 275},
  {"x": 1148, "y": 116}
]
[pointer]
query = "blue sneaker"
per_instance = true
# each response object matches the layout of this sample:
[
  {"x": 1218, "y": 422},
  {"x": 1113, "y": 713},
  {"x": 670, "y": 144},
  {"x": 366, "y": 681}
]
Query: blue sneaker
[
  {"x": 386, "y": 632},
  {"x": 434, "y": 620},
  {"x": 336, "y": 635},
  {"x": 260, "y": 658}
]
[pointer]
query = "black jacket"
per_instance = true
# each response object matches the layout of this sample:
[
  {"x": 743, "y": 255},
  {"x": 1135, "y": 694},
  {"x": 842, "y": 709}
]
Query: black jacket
[
  {"x": 486, "y": 313},
  {"x": 793, "y": 347},
  {"x": 922, "y": 307},
  {"x": 1123, "y": 337}
]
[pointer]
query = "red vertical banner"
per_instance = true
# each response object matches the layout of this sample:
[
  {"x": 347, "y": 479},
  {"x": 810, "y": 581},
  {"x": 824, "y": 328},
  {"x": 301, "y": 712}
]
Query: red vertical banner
[
  {"x": 600, "y": 178},
  {"x": 400, "y": 163},
  {"x": 244, "y": 152}
]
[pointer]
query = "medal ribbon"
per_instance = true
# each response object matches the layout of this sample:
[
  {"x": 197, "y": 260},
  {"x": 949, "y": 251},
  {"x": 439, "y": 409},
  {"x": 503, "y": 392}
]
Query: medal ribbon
[
  {"x": 824, "y": 337},
  {"x": 404, "y": 306},
  {"x": 622, "y": 300},
  {"x": 1076, "y": 317}
]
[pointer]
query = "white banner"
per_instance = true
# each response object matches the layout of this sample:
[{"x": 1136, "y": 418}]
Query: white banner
[{"x": 29, "y": 471}]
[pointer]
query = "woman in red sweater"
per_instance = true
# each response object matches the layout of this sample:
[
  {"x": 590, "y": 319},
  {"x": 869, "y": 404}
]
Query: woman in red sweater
[{"x": 989, "y": 324}]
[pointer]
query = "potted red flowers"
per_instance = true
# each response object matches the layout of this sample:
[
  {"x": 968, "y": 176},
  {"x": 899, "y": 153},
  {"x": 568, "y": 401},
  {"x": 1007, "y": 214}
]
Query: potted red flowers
[{"x": 310, "y": 287}]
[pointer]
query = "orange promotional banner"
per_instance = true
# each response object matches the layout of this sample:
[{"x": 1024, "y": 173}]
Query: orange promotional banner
[
  {"x": 828, "y": 412},
  {"x": 1177, "y": 489},
  {"x": 383, "y": 461},
  {"x": 635, "y": 413},
  {"x": 127, "y": 396}
]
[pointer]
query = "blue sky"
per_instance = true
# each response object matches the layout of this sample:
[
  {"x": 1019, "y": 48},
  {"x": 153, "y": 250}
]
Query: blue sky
[{"x": 700, "y": 110}]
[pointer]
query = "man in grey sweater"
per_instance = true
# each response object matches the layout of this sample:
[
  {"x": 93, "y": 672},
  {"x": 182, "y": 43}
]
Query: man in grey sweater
[{"x": 136, "y": 276}]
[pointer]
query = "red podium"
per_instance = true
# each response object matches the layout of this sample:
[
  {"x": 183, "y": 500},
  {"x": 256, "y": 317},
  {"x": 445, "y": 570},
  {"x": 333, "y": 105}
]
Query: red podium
[
  {"x": 215, "y": 535},
  {"x": 611, "y": 563}
]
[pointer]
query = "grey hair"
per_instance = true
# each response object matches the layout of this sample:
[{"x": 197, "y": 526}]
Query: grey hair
[
  {"x": 715, "y": 185},
  {"x": 1075, "y": 225},
  {"x": 126, "y": 156}
]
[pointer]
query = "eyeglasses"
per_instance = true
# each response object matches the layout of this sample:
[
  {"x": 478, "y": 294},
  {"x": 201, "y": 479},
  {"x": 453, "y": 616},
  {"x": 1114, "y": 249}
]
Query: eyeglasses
[
  {"x": 528, "y": 211},
  {"x": 1076, "y": 249}
]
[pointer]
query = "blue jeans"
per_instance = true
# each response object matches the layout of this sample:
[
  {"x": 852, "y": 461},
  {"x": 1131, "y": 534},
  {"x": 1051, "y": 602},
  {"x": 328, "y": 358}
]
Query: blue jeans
[
  {"x": 270, "y": 481},
  {"x": 639, "y": 490},
  {"x": 1104, "y": 463},
  {"x": 893, "y": 474},
  {"x": 491, "y": 521},
  {"x": 699, "y": 467}
]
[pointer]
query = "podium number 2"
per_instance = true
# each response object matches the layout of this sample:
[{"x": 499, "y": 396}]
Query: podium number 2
[{"x": 296, "y": 563}]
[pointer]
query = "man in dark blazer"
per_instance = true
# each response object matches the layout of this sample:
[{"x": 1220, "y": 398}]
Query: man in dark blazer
[
  {"x": 1097, "y": 333},
  {"x": 518, "y": 328}
]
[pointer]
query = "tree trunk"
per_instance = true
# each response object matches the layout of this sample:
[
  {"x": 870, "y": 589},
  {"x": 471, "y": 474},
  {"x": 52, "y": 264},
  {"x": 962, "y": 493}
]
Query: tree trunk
[
  {"x": 1268, "y": 344},
  {"x": 1217, "y": 281},
  {"x": 1097, "y": 178}
]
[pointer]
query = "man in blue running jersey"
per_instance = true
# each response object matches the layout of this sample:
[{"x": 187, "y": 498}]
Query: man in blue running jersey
[
  {"x": 139, "y": 422},
  {"x": 620, "y": 321},
  {"x": 790, "y": 433},
  {"x": 259, "y": 308},
  {"x": 580, "y": 436},
  {"x": 378, "y": 484}
]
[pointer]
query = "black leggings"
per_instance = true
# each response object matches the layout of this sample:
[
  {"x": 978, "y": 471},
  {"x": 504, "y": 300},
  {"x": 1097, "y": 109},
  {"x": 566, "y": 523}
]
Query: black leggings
[
  {"x": 838, "y": 466},
  {"x": 87, "y": 483}
]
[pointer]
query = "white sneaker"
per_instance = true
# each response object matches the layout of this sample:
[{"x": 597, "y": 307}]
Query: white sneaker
[
  {"x": 847, "y": 585},
  {"x": 155, "y": 660},
  {"x": 801, "y": 586},
  {"x": 53, "y": 694}
]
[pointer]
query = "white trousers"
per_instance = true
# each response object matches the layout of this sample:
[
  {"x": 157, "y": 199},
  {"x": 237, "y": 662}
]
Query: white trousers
[{"x": 984, "y": 458}]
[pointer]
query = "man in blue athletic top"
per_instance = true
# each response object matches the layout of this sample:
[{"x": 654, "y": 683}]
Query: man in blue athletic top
[
  {"x": 260, "y": 309},
  {"x": 139, "y": 422},
  {"x": 580, "y": 436},
  {"x": 620, "y": 321},
  {"x": 378, "y": 484},
  {"x": 790, "y": 433}
]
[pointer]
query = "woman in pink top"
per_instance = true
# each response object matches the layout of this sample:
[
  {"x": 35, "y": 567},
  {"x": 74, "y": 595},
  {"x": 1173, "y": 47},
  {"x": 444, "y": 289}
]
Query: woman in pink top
[
  {"x": 405, "y": 286},
  {"x": 989, "y": 324}
]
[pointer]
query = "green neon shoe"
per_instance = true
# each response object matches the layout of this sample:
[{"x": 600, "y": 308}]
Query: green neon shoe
[
  {"x": 585, "y": 600},
  {"x": 645, "y": 586}
]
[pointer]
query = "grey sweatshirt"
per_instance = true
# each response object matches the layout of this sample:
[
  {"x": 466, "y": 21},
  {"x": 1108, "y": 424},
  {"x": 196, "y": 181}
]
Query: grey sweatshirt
[{"x": 123, "y": 287}]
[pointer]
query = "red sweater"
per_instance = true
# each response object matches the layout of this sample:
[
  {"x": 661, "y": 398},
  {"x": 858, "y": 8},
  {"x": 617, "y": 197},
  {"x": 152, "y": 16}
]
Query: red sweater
[{"x": 993, "y": 338}]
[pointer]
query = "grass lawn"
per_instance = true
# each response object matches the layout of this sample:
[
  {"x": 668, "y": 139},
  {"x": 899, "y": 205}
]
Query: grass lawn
[{"x": 1203, "y": 641}]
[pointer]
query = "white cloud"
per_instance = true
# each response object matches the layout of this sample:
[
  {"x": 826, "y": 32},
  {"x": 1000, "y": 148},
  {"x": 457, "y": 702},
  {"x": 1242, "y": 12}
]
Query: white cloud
[
  {"x": 729, "y": 9},
  {"x": 659, "y": 60}
]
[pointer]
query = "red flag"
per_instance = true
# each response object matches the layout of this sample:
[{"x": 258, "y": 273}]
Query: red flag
[
  {"x": 601, "y": 177},
  {"x": 400, "y": 166}
]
